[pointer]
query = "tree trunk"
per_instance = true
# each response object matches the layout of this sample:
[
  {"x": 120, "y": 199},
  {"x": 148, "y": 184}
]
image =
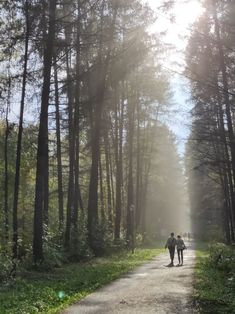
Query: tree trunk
[
  {"x": 58, "y": 152},
  {"x": 225, "y": 92},
  {"x": 19, "y": 140},
  {"x": 77, "y": 194},
  {"x": 93, "y": 186},
  {"x": 108, "y": 179},
  {"x": 130, "y": 187},
  {"x": 70, "y": 199},
  {"x": 102, "y": 211},
  {"x": 6, "y": 178},
  {"x": 118, "y": 160},
  {"x": 102, "y": 69},
  {"x": 138, "y": 171},
  {"x": 41, "y": 189},
  {"x": 229, "y": 178}
]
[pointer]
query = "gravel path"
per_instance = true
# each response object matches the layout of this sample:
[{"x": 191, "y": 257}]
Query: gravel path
[{"x": 151, "y": 288}]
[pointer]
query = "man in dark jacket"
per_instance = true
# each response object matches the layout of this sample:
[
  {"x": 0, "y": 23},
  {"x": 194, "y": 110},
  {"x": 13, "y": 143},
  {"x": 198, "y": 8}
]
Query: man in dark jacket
[{"x": 170, "y": 244}]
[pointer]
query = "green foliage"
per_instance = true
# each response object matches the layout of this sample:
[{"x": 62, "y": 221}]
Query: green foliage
[
  {"x": 214, "y": 233},
  {"x": 5, "y": 267},
  {"x": 215, "y": 279},
  {"x": 53, "y": 255},
  {"x": 50, "y": 292},
  {"x": 79, "y": 249}
]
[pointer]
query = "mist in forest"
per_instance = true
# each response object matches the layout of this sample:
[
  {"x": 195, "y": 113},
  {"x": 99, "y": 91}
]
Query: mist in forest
[{"x": 167, "y": 207}]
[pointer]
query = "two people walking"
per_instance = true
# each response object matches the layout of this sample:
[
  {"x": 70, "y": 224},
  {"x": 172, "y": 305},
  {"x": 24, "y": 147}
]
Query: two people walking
[{"x": 177, "y": 243}]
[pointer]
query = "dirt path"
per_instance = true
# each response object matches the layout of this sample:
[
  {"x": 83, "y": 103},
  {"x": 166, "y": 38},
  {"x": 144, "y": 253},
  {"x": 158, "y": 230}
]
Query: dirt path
[{"x": 151, "y": 288}]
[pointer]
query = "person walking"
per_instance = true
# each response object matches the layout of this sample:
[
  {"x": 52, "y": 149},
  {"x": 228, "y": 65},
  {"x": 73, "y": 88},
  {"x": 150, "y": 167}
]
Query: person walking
[
  {"x": 170, "y": 244},
  {"x": 180, "y": 246}
]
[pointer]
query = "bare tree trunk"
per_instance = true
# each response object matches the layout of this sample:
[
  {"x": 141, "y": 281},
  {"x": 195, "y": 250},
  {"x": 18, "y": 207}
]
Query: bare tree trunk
[
  {"x": 138, "y": 170},
  {"x": 19, "y": 140},
  {"x": 58, "y": 152},
  {"x": 102, "y": 211},
  {"x": 6, "y": 179},
  {"x": 108, "y": 179},
  {"x": 111, "y": 176},
  {"x": 130, "y": 188},
  {"x": 145, "y": 177},
  {"x": 102, "y": 69},
  {"x": 41, "y": 189},
  {"x": 118, "y": 159},
  {"x": 70, "y": 200},
  {"x": 77, "y": 194},
  {"x": 93, "y": 187}
]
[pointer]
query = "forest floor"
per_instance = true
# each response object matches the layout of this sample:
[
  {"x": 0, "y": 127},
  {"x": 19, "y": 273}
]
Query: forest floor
[
  {"x": 50, "y": 291},
  {"x": 151, "y": 288}
]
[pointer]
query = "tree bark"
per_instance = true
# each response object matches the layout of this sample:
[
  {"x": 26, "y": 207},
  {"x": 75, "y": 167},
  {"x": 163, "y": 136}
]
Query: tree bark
[
  {"x": 41, "y": 189},
  {"x": 70, "y": 199},
  {"x": 108, "y": 179},
  {"x": 6, "y": 177},
  {"x": 77, "y": 194},
  {"x": 19, "y": 140},
  {"x": 130, "y": 187},
  {"x": 58, "y": 152},
  {"x": 102, "y": 69},
  {"x": 118, "y": 160}
]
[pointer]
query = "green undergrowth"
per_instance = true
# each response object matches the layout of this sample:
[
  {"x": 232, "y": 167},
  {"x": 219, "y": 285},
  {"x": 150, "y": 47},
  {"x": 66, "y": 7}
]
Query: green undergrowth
[
  {"x": 215, "y": 279},
  {"x": 50, "y": 292}
]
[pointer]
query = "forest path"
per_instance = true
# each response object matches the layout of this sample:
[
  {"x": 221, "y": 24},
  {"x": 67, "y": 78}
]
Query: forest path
[{"x": 150, "y": 288}]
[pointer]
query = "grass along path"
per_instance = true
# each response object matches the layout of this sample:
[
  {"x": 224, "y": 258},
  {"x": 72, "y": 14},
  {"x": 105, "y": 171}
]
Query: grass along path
[
  {"x": 51, "y": 292},
  {"x": 215, "y": 279}
]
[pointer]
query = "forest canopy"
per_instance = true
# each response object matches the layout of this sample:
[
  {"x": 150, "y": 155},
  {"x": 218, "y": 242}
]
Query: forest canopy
[
  {"x": 82, "y": 142},
  {"x": 210, "y": 149}
]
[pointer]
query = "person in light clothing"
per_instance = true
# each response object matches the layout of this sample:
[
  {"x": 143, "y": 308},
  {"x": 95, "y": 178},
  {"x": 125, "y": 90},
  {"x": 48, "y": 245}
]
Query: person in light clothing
[{"x": 180, "y": 246}]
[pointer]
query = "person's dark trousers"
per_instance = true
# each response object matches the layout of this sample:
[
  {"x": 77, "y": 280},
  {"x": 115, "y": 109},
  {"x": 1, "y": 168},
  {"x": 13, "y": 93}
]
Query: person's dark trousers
[
  {"x": 172, "y": 253},
  {"x": 180, "y": 256}
]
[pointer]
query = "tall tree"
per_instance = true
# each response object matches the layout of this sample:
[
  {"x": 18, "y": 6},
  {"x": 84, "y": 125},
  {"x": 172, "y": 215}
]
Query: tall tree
[
  {"x": 41, "y": 189},
  {"x": 20, "y": 132}
]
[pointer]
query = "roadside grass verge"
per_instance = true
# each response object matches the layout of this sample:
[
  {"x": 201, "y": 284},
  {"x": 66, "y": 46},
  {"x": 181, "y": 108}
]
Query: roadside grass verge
[
  {"x": 215, "y": 279},
  {"x": 50, "y": 292}
]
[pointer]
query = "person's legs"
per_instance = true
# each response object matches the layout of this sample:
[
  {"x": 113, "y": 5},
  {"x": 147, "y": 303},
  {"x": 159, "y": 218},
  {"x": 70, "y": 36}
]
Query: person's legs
[
  {"x": 182, "y": 257},
  {"x": 172, "y": 254},
  {"x": 178, "y": 252}
]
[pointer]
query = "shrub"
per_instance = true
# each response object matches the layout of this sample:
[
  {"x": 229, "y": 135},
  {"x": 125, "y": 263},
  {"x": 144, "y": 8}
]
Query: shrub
[
  {"x": 6, "y": 267},
  {"x": 52, "y": 252},
  {"x": 222, "y": 256},
  {"x": 214, "y": 233},
  {"x": 79, "y": 249}
]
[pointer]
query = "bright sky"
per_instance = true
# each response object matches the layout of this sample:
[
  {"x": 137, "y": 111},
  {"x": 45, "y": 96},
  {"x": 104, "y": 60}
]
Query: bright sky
[{"x": 185, "y": 13}]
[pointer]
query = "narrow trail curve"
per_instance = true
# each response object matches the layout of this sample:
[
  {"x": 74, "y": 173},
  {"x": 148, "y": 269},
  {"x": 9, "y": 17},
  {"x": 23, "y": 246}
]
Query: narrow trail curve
[{"x": 151, "y": 288}]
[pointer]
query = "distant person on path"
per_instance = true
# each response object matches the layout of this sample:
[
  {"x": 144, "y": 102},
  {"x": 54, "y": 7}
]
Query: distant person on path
[
  {"x": 189, "y": 236},
  {"x": 180, "y": 248},
  {"x": 170, "y": 244}
]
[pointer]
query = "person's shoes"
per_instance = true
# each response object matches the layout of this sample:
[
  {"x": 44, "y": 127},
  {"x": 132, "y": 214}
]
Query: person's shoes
[{"x": 178, "y": 265}]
